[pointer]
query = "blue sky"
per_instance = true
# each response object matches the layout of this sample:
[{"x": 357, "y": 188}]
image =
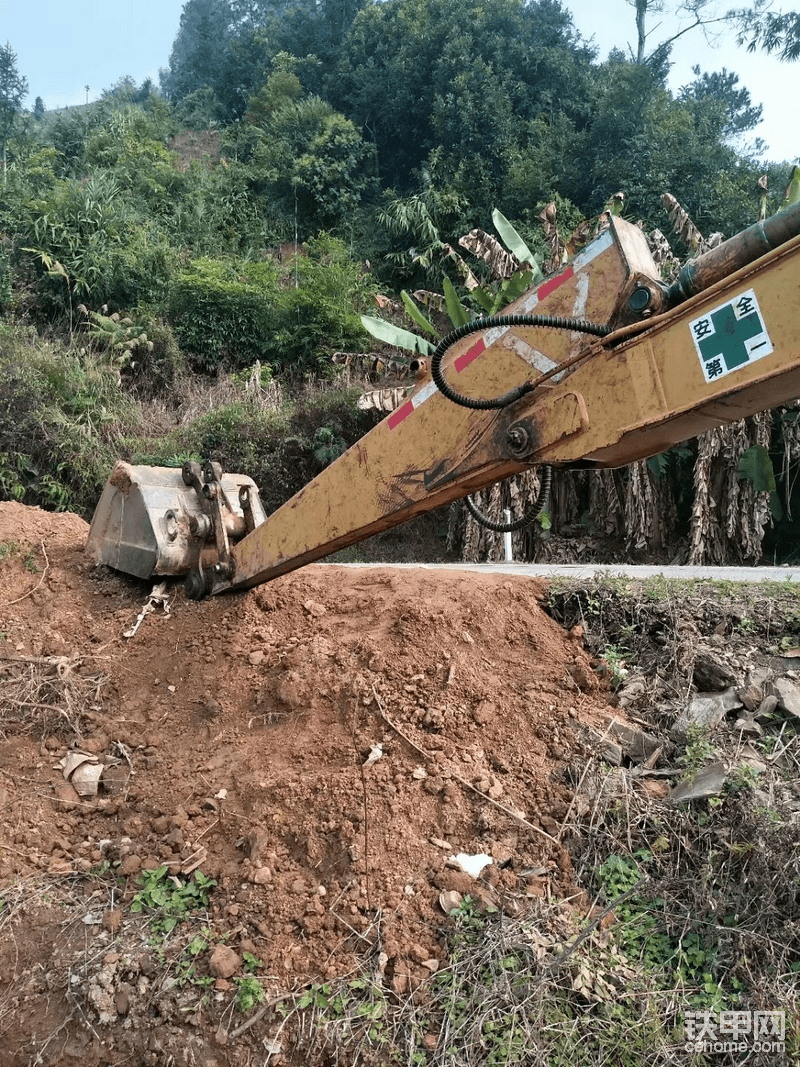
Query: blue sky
[{"x": 63, "y": 45}]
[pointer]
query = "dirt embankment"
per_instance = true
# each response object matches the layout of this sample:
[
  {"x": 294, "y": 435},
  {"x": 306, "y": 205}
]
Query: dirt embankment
[{"x": 234, "y": 737}]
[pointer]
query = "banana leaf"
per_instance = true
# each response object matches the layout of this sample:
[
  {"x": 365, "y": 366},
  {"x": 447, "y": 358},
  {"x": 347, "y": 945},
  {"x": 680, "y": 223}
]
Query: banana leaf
[
  {"x": 512, "y": 239},
  {"x": 791, "y": 193},
  {"x": 755, "y": 465},
  {"x": 415, "y": 313},
  {"x": 486, "y": 300},
  {"x": 459, "y": 316},
  {"x": 394, "y": 335}
]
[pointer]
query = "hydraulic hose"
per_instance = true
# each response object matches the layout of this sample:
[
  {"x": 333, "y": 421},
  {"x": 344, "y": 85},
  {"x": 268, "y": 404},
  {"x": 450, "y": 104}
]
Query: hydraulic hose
[
  {"x": 555, "y": 322},
  {"x": 531, "y": 514}
]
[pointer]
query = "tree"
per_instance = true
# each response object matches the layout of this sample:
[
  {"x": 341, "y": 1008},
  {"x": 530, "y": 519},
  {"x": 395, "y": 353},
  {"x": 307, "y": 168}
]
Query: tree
[
  {"x": 13, "y": 90},
  {"x": 700, "y": 14},
  {"x": 39, "y": 109},
  {"x": 198, "y": 52},
  {"x": 463, "y": 74},
  {"x": 769, "y": 30},
  {"x": 310, "y": 160},
  {"x": 723, "y": 86}
]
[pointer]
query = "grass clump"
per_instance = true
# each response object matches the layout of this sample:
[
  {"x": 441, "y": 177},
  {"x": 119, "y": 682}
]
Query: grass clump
[{"x": 62, "y": 413}]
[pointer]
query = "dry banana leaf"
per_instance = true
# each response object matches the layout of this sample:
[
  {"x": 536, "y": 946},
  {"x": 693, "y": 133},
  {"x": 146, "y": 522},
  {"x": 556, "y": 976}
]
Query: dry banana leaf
[
  {"x": 501, "y": 263},
  {"x": 682, "y": 224},
  {"x": 555, "y": 246}
]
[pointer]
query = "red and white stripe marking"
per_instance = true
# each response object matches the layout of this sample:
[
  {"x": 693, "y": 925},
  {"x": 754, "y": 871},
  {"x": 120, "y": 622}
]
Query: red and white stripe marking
[{"x": 534, "y": 298}]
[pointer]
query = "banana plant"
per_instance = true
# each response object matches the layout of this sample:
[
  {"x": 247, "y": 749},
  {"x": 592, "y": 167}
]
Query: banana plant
[
  {"x": 791, "y": 193},
  {"x": 512, "y": 263}
]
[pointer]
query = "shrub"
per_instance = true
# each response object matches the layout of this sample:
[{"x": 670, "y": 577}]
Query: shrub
[
  {"x": 320, "y": 314},
  {"x": 224, "y": 312},
  {"x": 60, "y": 414}
]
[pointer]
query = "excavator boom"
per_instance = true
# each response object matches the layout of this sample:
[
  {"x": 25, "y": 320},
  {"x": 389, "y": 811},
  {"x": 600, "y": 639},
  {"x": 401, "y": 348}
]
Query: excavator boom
[{"x": 567, "y": 398}]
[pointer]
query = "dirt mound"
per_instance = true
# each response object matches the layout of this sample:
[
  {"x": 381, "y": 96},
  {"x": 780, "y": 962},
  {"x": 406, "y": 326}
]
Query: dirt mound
[{"x": 320, "y": 747}]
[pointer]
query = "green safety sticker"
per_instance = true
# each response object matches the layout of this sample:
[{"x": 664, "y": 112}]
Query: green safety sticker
[{"x": 731, "y": 336}]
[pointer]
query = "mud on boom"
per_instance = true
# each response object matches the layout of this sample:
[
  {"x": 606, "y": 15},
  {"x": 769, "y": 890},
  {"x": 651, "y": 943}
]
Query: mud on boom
[{"x": 596, "y": 367}]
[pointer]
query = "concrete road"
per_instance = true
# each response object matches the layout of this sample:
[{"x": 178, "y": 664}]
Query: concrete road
[{"x": 592, "y": 570}]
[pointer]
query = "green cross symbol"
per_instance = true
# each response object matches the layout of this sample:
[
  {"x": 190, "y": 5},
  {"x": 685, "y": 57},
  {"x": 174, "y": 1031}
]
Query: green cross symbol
[{"x": 730, "y": 336}]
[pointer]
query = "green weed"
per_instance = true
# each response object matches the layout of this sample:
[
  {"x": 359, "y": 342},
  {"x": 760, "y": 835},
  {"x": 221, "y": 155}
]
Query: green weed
[
  {"x": 698, "y": 750},
  {"x": 173, "y": 900},
  {"x": 249, "y": 992}
]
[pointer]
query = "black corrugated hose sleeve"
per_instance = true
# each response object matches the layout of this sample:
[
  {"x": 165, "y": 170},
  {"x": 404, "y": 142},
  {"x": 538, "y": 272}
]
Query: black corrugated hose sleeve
[{"x": 555, "y": 322}]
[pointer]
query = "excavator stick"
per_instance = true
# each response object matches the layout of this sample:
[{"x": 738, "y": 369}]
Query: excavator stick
[{"x": 512, "y": 394}]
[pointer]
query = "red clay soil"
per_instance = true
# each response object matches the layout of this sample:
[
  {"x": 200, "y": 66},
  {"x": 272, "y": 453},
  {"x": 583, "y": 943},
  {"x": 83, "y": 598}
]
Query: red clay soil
[{"x": 235, "y": 732}]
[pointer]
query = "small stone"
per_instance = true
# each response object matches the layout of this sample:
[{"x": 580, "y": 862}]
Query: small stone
[
  {"x": 130, "y": 865},
  {"x": 95, "y": 745},
  {"x": 788, "y": 695},
  {"x": 449, "y": 901},
  {"x": 495, "y": 790},
  {"x": 484, "y": 713},
  {"x": 322, "y": 891},
  {"x": 171, "y": 688},
  {"x": 224, "y": 962},
  {"x": 259, "y": 846},
  {"x": 66, "y": 797},
  {"x": 654, "y": 788},
  {"x": 256, "y": 658},
  {"x": 636, "y": 744},
  {"x": 707, "y": 782},
  {"x": 767, "y": 707},
  {"x": 429, "y": 1042},
  {"x": 711, "y": 673},
  {"x": 441, "y": 843},
  {"x": 175, "y": 837},
  {"x": 706, "y": 709},
  {"x": 261, "y": 876},
  {"x": 112, "y": 919},
  {"x": 298, "y": 887},
  {"x": 122, "y": 998},
  {"x": 315, "y": 609},
  {"x": 751, "y": 697}
]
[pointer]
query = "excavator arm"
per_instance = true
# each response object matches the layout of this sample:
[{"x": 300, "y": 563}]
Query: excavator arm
[{"x": 534, "y": 386}]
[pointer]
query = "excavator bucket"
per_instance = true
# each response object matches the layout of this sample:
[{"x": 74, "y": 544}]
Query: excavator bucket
[{"x": 154, "y": 520}]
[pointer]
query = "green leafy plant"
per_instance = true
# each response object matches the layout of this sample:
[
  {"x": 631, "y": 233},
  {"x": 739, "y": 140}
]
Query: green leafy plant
[
  {"x": 328, "y": 444},
  {"x": 249, "y": 992},
  {"x": 615, "y": 657},
  {"x": 172, "y": 899},
  {"x": 698, "y": 751},
  {"x": 122, "y": 337}
]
